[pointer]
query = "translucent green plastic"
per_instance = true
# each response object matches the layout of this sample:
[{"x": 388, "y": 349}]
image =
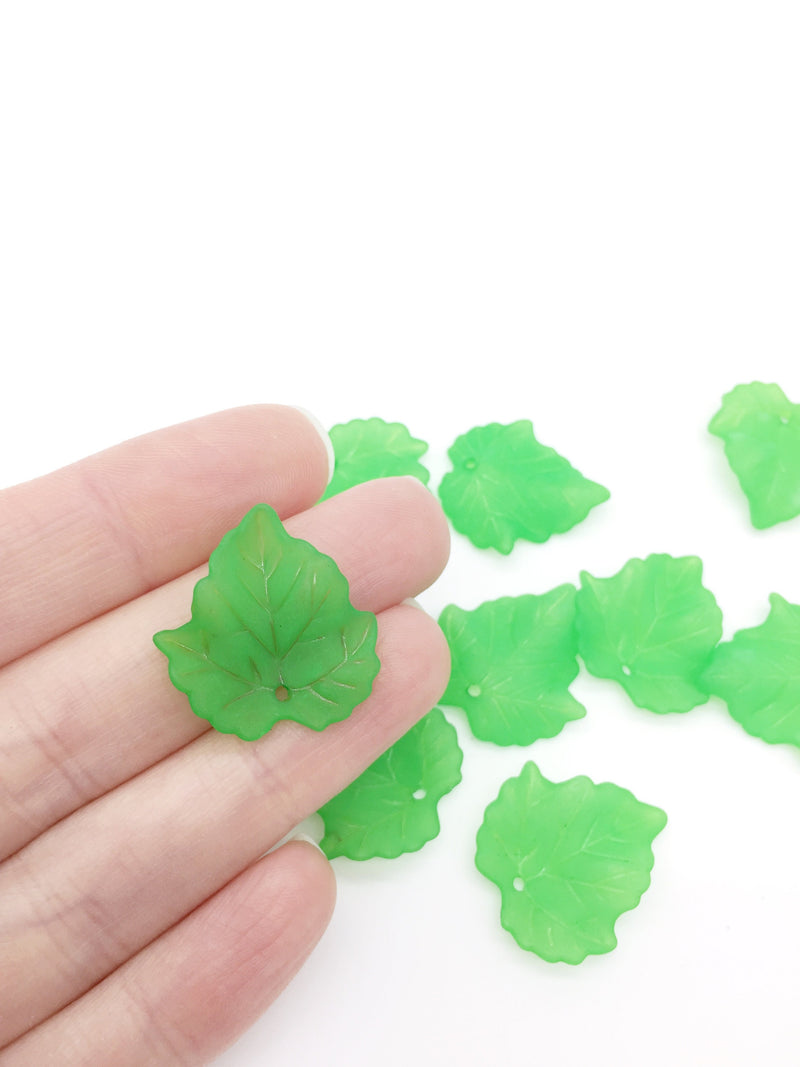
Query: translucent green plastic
[
  {"x": 761, "y": 430},
  {"x": 371, "y": 448},
  {"x": 392, "y": 807},
  {"x": 757, "y": 674},
  {"x": 569, "y": 858},
  {"x": 505, "y": 486},
  {"x": 513, "y": 660},
  {"x": 652, "y": 627},
  {"x": 272, "y": 635}
]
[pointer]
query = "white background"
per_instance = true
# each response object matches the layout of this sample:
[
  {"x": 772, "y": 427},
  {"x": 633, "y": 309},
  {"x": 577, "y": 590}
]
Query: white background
[{"x": 586, "y": 214}]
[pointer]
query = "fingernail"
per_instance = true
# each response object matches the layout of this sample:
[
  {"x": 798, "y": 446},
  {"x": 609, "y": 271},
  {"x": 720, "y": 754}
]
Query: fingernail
[
  {"x": 326, "y": 440},
  {"x": 418, "y": 481},
  {"x": 413, "y": 603},
  {"x": 307, "y": 839}
]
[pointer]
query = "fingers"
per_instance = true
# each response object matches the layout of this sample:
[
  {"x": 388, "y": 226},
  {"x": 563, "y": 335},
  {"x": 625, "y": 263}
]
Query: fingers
[
  {"x": 95, "y": 707},
  {"x": 186, "y": 997},
  {"x": 87, "y": 538},
  {"x": 94, "y": 889}
]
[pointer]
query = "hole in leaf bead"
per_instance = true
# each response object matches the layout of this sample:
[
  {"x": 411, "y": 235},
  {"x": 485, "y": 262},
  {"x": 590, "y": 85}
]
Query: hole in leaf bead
[
  {"x": 419, "y": 794},
  {"x": 473, "y": 690},
  {"x": 518, "y": 884},
  {"x": 281, "y": 693},
  {"x": 470, "y": 464},
  {"x": 626, "y": 670}
]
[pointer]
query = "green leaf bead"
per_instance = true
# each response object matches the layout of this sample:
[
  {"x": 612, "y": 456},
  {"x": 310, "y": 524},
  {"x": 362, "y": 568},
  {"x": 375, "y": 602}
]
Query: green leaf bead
[
  {"x": 652, "y": 627},
  {"x": 371, "y": 448},
  {"x": 569, "y": 858},
  {"x": 757, "y": 674},
  {"x": 513, "y": 660},
  {"x": 761, "y": 430},
  {"x": 272, "y": 635},
  {"x": 392, "y": 807},
  {"x": 505, "y": 486}
]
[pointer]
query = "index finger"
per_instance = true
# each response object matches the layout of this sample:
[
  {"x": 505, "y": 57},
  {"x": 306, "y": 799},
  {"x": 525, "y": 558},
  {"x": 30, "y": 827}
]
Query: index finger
[{"x": 85, "y": 539}]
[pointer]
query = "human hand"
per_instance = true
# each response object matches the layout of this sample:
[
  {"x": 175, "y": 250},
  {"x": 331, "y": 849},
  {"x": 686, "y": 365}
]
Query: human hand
[{"x": 140, "y": 921}]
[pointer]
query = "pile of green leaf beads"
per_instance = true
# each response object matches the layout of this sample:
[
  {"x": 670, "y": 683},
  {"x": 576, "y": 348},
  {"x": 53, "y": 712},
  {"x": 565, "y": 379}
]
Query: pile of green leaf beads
[
  {"x": 570, "y": 857},
  {"x": 273, "y": 636}
]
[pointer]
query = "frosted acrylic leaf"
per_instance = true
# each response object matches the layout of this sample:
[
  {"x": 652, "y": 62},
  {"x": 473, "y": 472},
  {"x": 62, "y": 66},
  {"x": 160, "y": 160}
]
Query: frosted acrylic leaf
[
  {"x": 505, "y": 485},
  {"x": 652, "y": 627},
  {"x": 757, "y": 674},
  {"x": 513, "y": 660},
  {"x": 272, "y": 635},
  {"x": 392, "y": 807},
  {"x": 371, "y": 448},
  {"x": 755, "y": 398},
  {"x": 569, "y": 858},
  {"x": 761, "y": 431}
]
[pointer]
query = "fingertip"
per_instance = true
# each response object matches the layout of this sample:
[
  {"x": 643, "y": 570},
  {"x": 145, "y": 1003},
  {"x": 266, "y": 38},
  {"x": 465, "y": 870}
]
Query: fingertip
[
  {"x": 433, "y": 647},
  {"x": 433, "y": 513},
  {"x": 324, "y": 437},
  {"x": 314, "y": 874},
  {"x": 419, "y": 664},
  {"x": 388, "y": 536}
]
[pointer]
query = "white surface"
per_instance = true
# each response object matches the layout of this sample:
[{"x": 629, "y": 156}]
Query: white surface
[{"x": 448, "y": 214}]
